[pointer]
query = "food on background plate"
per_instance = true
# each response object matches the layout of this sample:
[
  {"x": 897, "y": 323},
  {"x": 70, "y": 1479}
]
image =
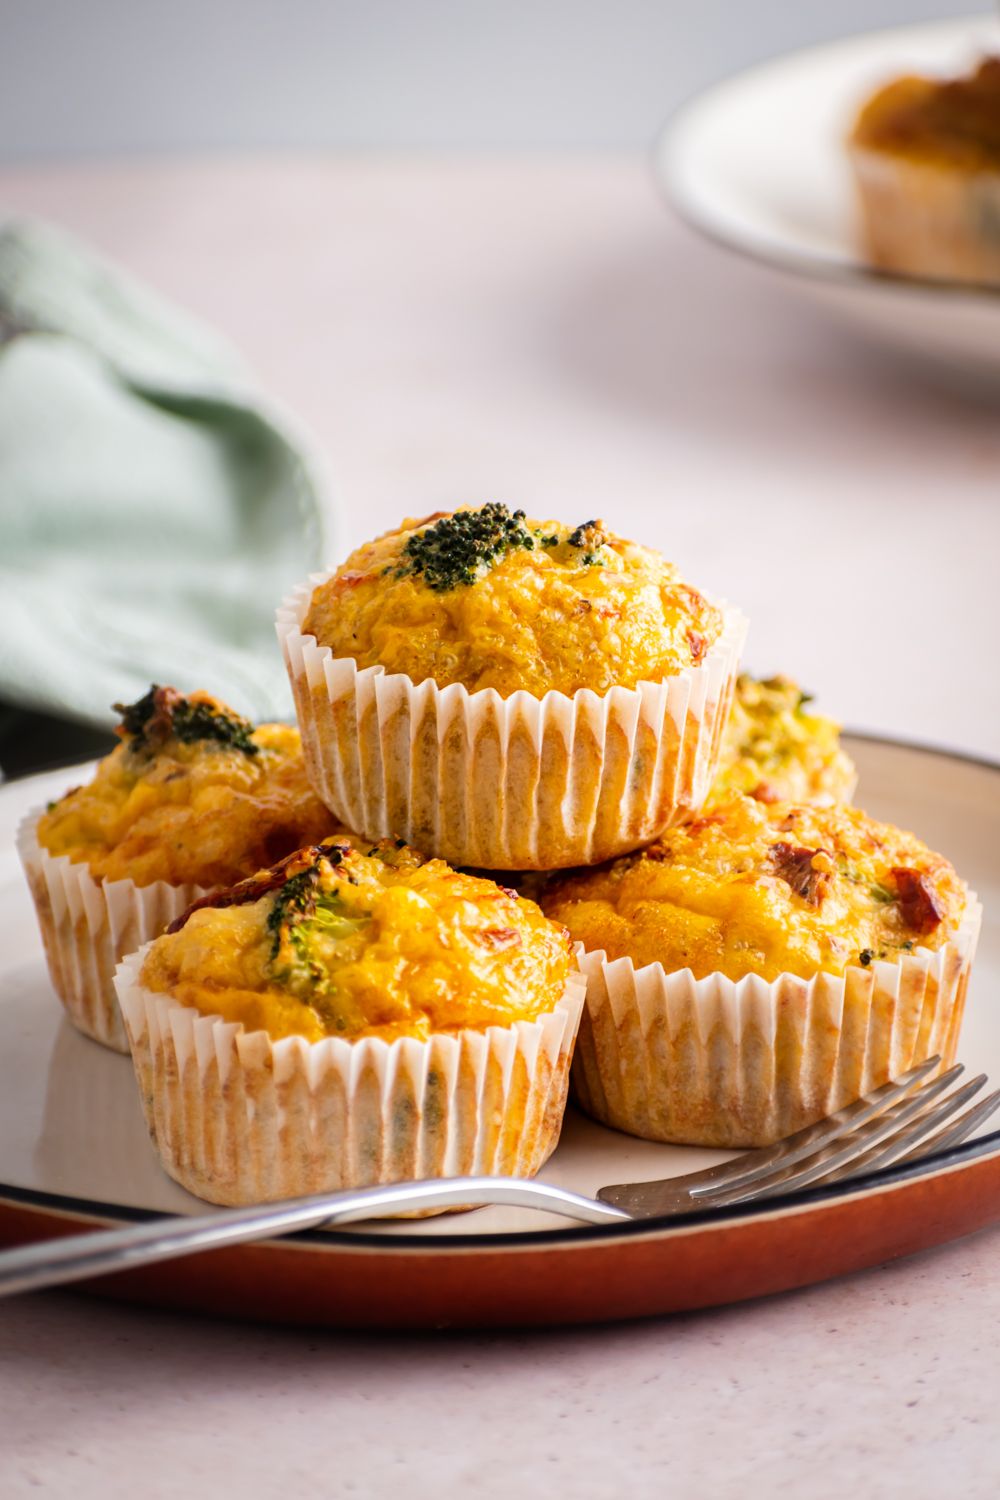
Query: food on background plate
[
  {"x": 926, "y": 159},
  {"x": 760, "y": 967},
  {"x": 508, "y": 693},
  {"x": 777, "y": 749},
  {"x": 354, "y": 1015},
  {"x": 193, "y": 798}
]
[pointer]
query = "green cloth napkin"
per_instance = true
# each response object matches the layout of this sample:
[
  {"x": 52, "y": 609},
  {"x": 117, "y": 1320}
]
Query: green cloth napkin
[{"x": 154, "y": 508}]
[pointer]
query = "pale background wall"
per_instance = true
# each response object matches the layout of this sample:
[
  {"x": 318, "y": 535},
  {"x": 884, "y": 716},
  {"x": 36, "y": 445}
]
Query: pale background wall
[{"x": 84, "y": 77}]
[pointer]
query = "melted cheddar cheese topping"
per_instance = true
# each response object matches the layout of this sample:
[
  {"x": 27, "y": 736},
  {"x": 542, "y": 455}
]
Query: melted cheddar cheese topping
[
  {"x": 751, "y": 888},
  {"x": 776, "y": 750},
  {"x": 193, "y": 795},
  {"x": 349, "y": 942},
  {"x": 490, "y": 599}
]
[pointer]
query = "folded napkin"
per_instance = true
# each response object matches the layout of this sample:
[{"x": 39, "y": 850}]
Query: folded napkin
[{"x": 154, "y": 508}]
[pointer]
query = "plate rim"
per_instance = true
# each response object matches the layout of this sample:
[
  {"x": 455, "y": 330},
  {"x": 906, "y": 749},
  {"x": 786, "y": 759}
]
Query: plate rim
[
  {"x": 810, "y": 265},
  {"x": 63, "y": 1207},
  {"x": 892, "y": 1178}
]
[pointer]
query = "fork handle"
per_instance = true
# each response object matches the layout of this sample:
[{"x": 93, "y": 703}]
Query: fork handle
[{"x": 98, "y": 1252}]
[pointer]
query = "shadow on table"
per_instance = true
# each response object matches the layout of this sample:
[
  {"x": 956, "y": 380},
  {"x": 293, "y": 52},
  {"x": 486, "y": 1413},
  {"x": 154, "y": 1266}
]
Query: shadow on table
[
  {"x": 32, "y": 741},
  {"x": 676, "y": 330}
]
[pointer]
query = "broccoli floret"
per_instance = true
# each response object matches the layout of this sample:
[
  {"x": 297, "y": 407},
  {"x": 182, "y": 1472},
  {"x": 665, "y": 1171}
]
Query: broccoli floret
[
  {"x": 308, "y": 915},
  {"x": 163, "y": 713},
  {"x": 457, "y": 548}
]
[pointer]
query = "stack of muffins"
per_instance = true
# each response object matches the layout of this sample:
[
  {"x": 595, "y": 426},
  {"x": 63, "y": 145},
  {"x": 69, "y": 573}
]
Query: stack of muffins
[{"x": 720, "y": 946}]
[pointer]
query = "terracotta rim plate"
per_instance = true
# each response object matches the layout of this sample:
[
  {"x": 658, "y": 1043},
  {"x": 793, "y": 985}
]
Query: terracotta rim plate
[
  {"x": 73, "y": 1153},
  {"x": 757, "y": 163}
]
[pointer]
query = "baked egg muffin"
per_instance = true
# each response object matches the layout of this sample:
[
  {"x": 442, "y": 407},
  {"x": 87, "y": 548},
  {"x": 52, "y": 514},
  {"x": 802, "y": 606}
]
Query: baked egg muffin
[
  {"x": 490, "y": 599},
  {"x": 776, "y": 749},
  {"x": 194, "y": 794},
  {"x": 752, "y": 888},
  {"x": 387, "y": 1016},
  {"x": 508, "y": 693},
  {"x": 193, "y": 798},
  {"x": 926, "y": 159},
  {"x": 761, "y": 966},
  {"x": 338, "y": 941}
]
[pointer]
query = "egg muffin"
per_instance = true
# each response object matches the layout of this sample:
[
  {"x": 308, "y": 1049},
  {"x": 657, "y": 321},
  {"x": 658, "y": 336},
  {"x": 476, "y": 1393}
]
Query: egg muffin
[
  {"x": 192, "y": 799},
  {"x": 776, "y": 749},
  {"x": 926, "y": 159},
  {"x": 761, "y": 966},
  {"x": 508, "y": 693},
  {"x": 354, "y": 1015}
]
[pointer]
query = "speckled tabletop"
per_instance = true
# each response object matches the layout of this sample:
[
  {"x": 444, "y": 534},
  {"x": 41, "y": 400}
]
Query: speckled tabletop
[{"x": 541, "y": 331}]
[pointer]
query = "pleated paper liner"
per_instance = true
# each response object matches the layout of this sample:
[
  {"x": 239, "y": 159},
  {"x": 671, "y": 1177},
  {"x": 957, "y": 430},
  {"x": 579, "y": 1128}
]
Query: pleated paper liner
[
  {"x": 239, "y": 1118},
  {"x": 927, "y": 219},
  {"x": 713, "y": 1062},
  {"x": 507, "y": 783},
  {"x": 89, "y": 925}
]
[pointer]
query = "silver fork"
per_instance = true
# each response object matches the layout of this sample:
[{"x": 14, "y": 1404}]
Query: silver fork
[{"x": 901, "y": 1121}]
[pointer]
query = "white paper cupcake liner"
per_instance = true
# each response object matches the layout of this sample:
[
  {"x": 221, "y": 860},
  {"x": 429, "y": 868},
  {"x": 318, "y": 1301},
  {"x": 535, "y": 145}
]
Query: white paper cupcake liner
[
  {"x": 89, "y": 925},
  {"x": 506, "y": 783},
  {"x": 239, "y": 1118},
  {"x": 711, "y": 1062},
  {"x": 928, "y": 219}
]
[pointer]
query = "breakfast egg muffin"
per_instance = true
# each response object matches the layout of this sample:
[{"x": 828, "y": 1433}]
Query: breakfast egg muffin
[
  {"x": 760, "y": 966},
  {"x": 509, "y": 693},
  {"x": 193, "y": 798},
  {"x": 385, "y": 1016},
  {"x": 489, "y": 599},
  {"x": 926, "y": 160},
  {"x": 777, "y": 749}
]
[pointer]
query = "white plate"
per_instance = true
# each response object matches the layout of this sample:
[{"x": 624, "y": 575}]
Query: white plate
[
  {"x": 70, "y": 1121},
  {"x": 758, "y": 163},
  {"x": 74, "y": 1152}
]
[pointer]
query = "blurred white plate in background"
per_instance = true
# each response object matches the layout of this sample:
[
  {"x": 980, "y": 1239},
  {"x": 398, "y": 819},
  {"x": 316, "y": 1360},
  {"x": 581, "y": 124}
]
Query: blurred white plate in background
[{"x": 758, "y": 164}]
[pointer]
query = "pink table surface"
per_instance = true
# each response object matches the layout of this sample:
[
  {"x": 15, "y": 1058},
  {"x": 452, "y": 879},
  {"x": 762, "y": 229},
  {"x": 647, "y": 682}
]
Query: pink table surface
[{"x": 540, "y": 330}]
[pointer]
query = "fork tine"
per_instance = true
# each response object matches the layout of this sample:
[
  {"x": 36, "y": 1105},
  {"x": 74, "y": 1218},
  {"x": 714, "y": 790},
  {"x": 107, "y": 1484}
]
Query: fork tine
[
  {"x": 747, "y": 1169},
  {"x": 898, "y": 1145},
  {"x": 955, "y": 1133},
  {"x": 825, "y": 1161}
]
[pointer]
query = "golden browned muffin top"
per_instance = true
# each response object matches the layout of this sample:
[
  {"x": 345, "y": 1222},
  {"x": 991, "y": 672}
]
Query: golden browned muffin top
[
  {"x": 751, "y": 888},
  {"x": 776, "y": 749},
  {"x": 363, "y": 941},
  {"x": 194, "y": 795},
  {"x": 950, "y": 122},
  {"x": 490, "y": 599}
]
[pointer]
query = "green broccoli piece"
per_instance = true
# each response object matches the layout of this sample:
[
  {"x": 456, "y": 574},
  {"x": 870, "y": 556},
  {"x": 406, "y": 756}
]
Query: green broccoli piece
[
  {"x": 163, "y": 713},
  {"x": 455, "y": 550}
]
